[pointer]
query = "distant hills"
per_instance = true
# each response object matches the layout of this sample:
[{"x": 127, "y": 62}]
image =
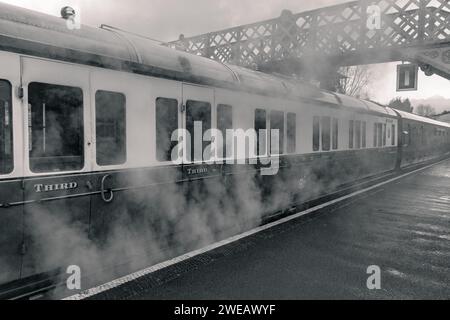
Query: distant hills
[{"x": 440, "y": 104}]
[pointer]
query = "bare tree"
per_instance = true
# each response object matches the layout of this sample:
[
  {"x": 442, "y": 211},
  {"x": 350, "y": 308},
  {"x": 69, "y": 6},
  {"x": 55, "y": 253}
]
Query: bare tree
[
  {"x": 354, "y": 81},
  {"x": 425, "y": 110},
  {"x": 399, "y": 104}
]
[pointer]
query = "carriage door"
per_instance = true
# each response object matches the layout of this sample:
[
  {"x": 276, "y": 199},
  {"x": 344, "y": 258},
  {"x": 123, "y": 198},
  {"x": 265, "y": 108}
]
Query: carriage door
[
  {"x": 11, "y": 193},
  {"x": 56, "y": 163},
  {"x": 199, "y": 112}
]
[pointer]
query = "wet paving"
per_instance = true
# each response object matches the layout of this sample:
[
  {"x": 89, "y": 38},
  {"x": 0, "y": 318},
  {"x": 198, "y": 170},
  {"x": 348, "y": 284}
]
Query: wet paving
[{"x": 403, "y": 228}]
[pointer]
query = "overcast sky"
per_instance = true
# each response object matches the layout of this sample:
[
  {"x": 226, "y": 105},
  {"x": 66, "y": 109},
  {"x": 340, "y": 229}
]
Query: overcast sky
[{"x": 166, "y": 19}]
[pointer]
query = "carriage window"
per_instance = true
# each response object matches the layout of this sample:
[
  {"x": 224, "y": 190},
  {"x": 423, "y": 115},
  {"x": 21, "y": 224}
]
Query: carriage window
[
  {"x": 364, "y": 134},
  {"x": 6, "y": 141},
  {"x": 261, "y": 134},
  {"x": 198, "y": 122},
  {"x": 316, "y": 133},
  {"x": 407, "y": 137},
  {"x": 277, "y": 123},
  {"x": 379, "y": 137},
  {"x": 351, "y": 134},
  {"x": 414, "y": 136},
  {"x": 380, "y": 134},
  {"x": 335, "y": 134},
  {"x": 166, "y": 125},
  {"x": 326, "y": 133},
  {"x": 224, "y": 123},
  {"x": 393, "y": 135},
  {"x": 110, "y": 120},
  {"x": 56, "y": 139},
  {"x": 358, "y": 134},
  {"x": 375, "y": 135},
  {"x": 291, "y": 132},
  {"x": 422, "y": 134}
]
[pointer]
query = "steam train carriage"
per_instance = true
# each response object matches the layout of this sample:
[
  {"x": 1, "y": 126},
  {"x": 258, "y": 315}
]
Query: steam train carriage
[{"x": 86, "y": 120}]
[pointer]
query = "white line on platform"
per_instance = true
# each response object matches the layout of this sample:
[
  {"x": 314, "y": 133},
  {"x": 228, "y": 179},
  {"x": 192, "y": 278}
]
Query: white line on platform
[{"x": 118, "y": 282}]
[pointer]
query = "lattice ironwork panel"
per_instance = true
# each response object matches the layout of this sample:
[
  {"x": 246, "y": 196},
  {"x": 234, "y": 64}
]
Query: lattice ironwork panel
[{"x": 331, "y": 31}]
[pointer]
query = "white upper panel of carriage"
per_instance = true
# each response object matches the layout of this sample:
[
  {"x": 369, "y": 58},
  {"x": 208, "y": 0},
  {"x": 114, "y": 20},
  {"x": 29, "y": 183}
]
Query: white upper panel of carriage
[{"x": 25, "y": 28}]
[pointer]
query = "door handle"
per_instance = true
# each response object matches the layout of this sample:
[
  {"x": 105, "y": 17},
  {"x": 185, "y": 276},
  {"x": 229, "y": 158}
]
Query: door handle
[{"x": 107, "y": 194}]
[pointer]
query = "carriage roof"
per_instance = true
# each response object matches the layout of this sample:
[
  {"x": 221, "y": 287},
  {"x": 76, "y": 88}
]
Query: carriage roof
[{"x": 29, "y": 32}]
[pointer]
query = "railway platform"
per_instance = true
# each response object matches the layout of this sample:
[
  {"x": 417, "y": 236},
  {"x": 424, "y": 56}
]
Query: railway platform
[{"x": 401, "y": 226}]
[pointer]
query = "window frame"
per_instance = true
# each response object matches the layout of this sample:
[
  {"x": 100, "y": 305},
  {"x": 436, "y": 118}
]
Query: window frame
[
  {"x": 316, "y": 133},
  {"x": 380, "y": 135},
  {"x": 407, "y": 139},
  {"x": 124, "y": 129},
  {"x": 272, "y": 114},
  {"x": 291, "y": 139},
  {"x": 82, "y": 131},
  {"x": 11, "y": 165},
  {"x": 226, "y": 144},
  {"x": 422, "y": 133},
  {"x": 157, "y": 150},
  {"x": 393, "y": 134},
  {"x": 375, "y": 135},
  {"x": 351, "y": 134},
  {"x": 326, "y": 133},
  {"x": 358, "y": 135},
  {"x": 335, "y": 134},
  {"x": 205, "y": 144},
  {"x": 363, "y": 134},
  {"x": 257, "y": 128}
]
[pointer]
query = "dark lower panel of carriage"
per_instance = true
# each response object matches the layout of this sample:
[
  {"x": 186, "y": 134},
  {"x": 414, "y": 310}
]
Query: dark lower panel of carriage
[
  {"x": 158, "y": 213},
  {"x": 11, "y": 231},
  {"x": 422, "y": 143},
  {"x": 415, "y": 154}
]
